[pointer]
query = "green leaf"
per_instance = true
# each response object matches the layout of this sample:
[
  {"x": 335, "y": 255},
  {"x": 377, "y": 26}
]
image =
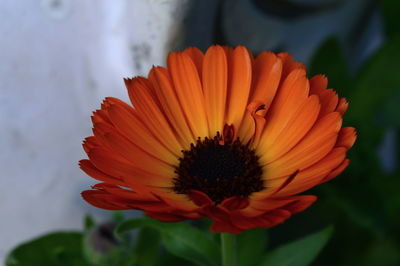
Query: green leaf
[
  {"x": 179, "y": 239},
  {"x": 118, "y": 216},
  {"x": 147, "y": 247},
  {"x": 251, "y": 246},
  {"x": 89, "y": 223},
  {"x": 300, "y": 252},
  {"x": 56, "y": 249},
  {"x": 166, "y": 258}
]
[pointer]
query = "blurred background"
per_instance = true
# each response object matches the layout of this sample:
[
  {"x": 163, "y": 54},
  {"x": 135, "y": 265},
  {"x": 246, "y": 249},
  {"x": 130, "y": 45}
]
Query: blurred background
[{"x": 60, "y": 58}]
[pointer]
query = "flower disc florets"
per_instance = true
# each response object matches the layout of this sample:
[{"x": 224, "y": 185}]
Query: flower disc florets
[{"x": 220, "y": 169}]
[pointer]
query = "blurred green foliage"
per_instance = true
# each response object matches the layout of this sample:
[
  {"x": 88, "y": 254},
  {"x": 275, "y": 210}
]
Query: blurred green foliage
[
  {"x": 252, "y": 246},
  {"x": 180, "y": 239},
  {"x": 300, "y": 252},
  {"x": 56, "y": 249},
  {"x": 158, "y": 243}
]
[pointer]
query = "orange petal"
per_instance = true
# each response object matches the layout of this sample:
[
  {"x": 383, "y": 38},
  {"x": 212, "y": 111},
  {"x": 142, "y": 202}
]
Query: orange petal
[
  {"x": 347, "y": 137},
  {"x": 235, "y": 203},
  {"x": 342, "y": 106},
  {"x": 215, "y": 77},
  {"x": 103, "y": 200},
  {"x": 188, "y": 89},
  {"x": 122, "y": 169},
  {"x": 301, "y": 204},
  {"x": 239, "y": 80},
  {"x": 224, "y": 226},
  {"x": 318, "y": 142},
  {"x": 329, "y": 100},
  {"x": 228, "y": 50},
  {"x": 136, "y": 156},
  {"x": 247, "y": 129},
  {"x": 289, "y": 98},
  {"x": 259, "y": 206},
  {"x": 141, "y": 193},
  {"x": 257, "y": 110},
  {"x": 268, "y": 219},
  {"x": 130, "y": 125},
  {"x": 108, "y": 101},
  {"x": 336, "y": 171},
  {"x": 289, "y": 64},
  {"x": 89, "y": 143},
  {"x": 197, "y": 57},
  {"x": 92, "y": 171},
  {"x": 99, "y": 130},
  {"x": 147, "y": 107},
  {"x": 297, "y": 127},
  {"x": 162, "y": 84},
  {"x": 267, "y": 75},
  {"x": 122, "y": 198},
  {"x": 144, "y": 83},
  {"x": 100, "y": 116},
  {"x": 199, "y": 198},
  {"x": 318, "y": 83},
  {"x": 293, "y": 204},
  {"x": 328, "y": 97},
  {"x": 313, "y": 175},
  {"x": 177, "y": 201}
]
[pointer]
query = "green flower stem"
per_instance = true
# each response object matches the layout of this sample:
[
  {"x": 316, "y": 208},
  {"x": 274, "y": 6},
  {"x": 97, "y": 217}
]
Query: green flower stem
[{"x": 228, "y": 249}]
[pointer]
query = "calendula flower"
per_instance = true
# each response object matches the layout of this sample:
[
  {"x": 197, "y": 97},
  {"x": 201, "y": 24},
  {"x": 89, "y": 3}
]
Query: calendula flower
[{"x": 218, "y": 135}]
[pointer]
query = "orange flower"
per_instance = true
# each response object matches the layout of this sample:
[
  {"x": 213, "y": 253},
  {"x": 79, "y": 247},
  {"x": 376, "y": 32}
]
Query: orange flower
[{"x": 218, "y": 135}]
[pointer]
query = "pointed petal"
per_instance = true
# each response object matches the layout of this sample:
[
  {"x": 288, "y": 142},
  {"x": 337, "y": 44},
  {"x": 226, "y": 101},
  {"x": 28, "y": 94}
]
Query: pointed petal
[
  {"x": 328, "y": 97},
  {"x": 342, "y": 106},
  {"x": 347, "y": 137},
  {"x": 289, "y": 64}
]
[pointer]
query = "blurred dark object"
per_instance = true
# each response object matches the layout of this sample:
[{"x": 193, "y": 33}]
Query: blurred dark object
[
  {"x": 285, "y": 9},
  {"x": 102, "y": 239},
  {"x": 298, "y": 27}
]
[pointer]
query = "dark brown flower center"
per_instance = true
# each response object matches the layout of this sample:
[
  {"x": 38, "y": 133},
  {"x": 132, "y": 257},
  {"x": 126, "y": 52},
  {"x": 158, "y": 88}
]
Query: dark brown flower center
[{"x": 220, "y": 171}]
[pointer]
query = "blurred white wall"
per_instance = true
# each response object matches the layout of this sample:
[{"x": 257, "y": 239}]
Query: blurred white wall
[{"x": 58, "y": 60}]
